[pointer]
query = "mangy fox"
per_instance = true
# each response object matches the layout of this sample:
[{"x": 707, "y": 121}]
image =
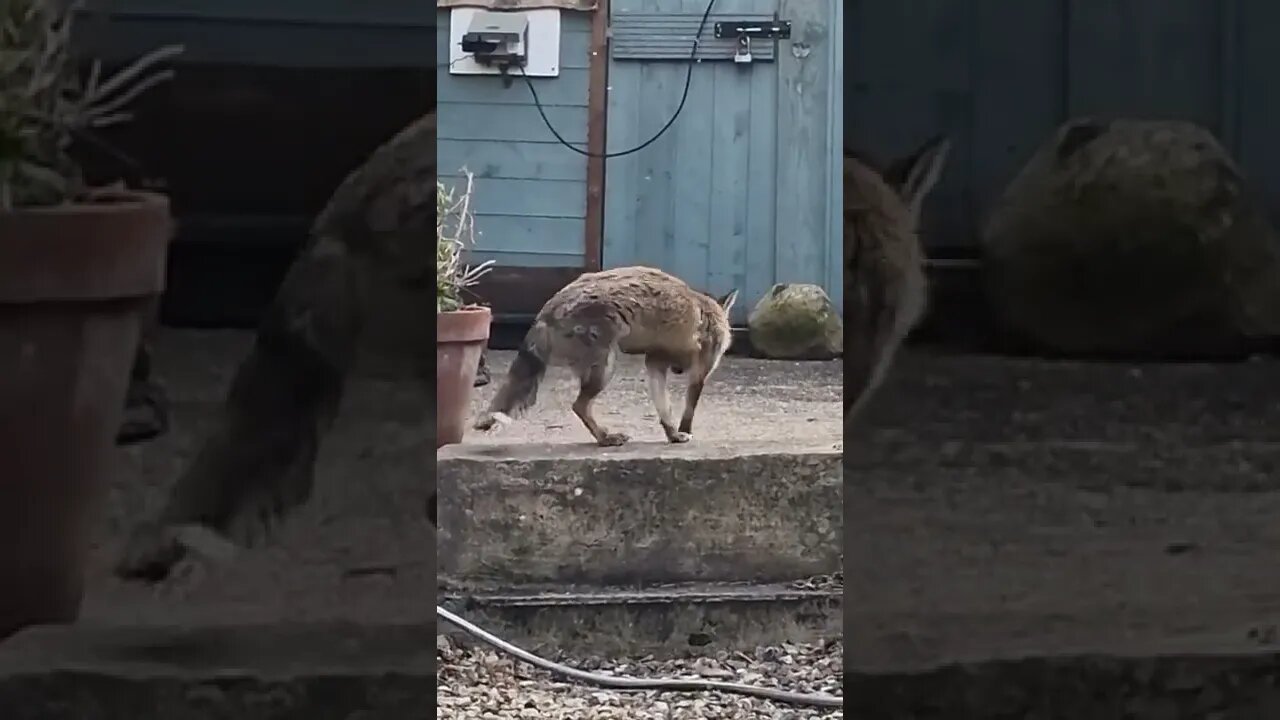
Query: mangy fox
[{"x": 633, "y": 310}]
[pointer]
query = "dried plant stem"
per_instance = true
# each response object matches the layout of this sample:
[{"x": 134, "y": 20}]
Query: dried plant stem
[
  {"x": 45, "y": 105},
  {"x": 455, "y": 231}
]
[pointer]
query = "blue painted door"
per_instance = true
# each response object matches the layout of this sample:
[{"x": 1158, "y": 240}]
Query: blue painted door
[{"x": 743, "y": 190}]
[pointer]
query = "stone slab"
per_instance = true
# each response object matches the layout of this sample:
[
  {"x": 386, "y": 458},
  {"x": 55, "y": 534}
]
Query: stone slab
[{"x": 640, "y": 514}]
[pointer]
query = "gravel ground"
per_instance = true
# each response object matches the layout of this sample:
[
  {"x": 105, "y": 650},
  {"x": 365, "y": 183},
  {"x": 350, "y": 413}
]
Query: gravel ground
[{"x": 482, "y": 683}]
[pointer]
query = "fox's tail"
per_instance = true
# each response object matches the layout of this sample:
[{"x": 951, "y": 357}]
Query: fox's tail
[{"x": 519, "y": 389}]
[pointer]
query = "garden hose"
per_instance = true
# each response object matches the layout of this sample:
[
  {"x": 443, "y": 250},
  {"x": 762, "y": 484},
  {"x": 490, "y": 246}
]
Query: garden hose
[{"x": 630, "y": 683}]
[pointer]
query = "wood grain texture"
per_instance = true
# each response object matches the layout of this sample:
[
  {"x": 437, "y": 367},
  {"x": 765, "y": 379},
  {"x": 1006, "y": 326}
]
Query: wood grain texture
[
  {"x": 738, "y": 192},
  {"x": 999, "y": 77},
  {"x": 531, "y": 192},
  {"x": 597, "y": 125}
]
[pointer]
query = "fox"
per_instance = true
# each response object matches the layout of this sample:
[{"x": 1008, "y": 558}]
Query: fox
[
  {"x": 256, "y": 465},
  {"x": 633, "y": 310},
  {"x": 885, "y": 288}
]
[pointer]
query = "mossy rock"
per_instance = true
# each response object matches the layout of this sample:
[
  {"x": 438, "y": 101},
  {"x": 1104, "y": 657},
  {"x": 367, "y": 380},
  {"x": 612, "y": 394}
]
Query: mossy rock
[
  {"x": 1133, "y": 238},
  {"x": 796, "y": 322}
]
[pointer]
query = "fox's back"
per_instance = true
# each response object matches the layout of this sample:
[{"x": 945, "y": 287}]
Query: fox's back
[{"x": 648, "y": 309}]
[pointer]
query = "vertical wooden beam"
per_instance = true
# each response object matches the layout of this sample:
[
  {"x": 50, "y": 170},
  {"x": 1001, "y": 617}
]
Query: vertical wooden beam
[
  {"x": 1228, "y": 71},
  {"x": 804, "y": 103},
  {"x": 597, "y": 117},
  {"x": 835, "y": 143}
]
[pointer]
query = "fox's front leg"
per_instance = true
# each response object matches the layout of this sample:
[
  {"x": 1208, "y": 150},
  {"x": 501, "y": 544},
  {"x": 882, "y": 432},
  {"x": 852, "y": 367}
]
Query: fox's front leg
[
  {"x": 657, "y": 375},
  {"x": 691, "y": 402}
]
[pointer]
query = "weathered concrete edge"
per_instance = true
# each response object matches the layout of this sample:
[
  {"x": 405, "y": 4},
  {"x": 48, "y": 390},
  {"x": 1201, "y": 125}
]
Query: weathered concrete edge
[
  {"x": 630, "y": 452},
  {"x": 101, "y": 695},
  {"x": 669, "y": 627},
  {"x": 1058, "y": 462},
  {"x": 1072, "y": 686},
  {"x": 621, "y": 520},
  {"x": 282, "y": 650},
  {"x": 307, "y": 671}
]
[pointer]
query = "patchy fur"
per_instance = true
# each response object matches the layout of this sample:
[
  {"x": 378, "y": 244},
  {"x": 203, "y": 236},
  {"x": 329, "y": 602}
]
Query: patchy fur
[{"x": 633, "y": 310}]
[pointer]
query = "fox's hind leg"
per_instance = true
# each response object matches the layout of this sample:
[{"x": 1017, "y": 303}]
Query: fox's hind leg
[
  {"x": 594, "y": 376},
  {"x": 656, "y": 368}
]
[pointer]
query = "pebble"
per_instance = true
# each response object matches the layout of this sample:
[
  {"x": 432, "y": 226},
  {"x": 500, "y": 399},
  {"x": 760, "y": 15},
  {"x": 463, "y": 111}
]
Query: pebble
[{"x": 479, "y": 683}]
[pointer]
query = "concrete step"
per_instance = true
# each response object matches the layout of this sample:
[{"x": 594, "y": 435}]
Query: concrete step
[
  {"x": 640, "y": 514},
  {"x": 1227, "y": 684},
  {"x": 658, "y": 620},
  {"x": 325, "y": 671}
]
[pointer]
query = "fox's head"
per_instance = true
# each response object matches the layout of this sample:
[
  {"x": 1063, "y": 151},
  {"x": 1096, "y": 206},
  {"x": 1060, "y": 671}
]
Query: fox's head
[{"x": 718, "y": 331}]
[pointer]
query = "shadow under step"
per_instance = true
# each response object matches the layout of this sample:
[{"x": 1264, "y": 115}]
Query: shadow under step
[{"x": 615, "y": 622}]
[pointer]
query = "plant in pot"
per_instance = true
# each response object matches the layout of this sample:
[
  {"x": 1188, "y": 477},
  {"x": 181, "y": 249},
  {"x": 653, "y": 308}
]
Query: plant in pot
[
  {"x": 77, "y": 265},
  {"x": 462, "y": 329}
]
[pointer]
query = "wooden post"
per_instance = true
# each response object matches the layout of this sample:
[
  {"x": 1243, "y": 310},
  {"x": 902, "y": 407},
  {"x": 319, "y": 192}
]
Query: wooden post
[{"x": 597, "y": 120}]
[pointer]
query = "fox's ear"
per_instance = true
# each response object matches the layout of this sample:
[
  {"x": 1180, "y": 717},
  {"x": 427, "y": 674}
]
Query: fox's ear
[
  {"x": 915, "y": 175},
  {"x": 726, "y": 301}
]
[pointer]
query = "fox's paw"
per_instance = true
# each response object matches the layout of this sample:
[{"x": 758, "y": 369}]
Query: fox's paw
[
  {"x": 613, "y": 439},
  {"x": 491, "y": 421},
  {"x": 679, "y": 437},
  {"x": 206, "y": 542},
  {"x": 157, "y": 554},
  {"x": 150, "y": 555}
]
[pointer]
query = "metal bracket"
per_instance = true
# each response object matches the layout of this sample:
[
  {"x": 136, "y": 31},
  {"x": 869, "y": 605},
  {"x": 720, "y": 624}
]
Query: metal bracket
[
  {"x": 646, "y": 37},
  {"x": 747, "y": 30},
  {"x": 752, "y": 29}
]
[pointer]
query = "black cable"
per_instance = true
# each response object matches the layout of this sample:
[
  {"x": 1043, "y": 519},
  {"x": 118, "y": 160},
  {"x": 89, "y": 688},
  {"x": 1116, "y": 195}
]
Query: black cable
[
  {"x": 640, "y": 684},
  {"x": 688, "y": 80}
]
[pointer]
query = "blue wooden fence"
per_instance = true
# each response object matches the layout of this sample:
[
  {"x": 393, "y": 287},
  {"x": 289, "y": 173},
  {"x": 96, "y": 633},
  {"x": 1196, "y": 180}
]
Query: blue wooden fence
[
  {"x": 743, "y": 191},
  {"x": 531, "y": 192},
  {"x": 1000, "y": 76}
]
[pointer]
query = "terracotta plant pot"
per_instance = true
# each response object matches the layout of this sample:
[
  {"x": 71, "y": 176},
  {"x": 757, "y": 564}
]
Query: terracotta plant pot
[
  {"x": 74, "y": 281},
  {"x": 461, "y": 336}
]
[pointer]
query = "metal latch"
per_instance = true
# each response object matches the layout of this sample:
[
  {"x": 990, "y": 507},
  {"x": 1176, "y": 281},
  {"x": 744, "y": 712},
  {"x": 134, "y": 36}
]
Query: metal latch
[{"x": 747, "y": 30}]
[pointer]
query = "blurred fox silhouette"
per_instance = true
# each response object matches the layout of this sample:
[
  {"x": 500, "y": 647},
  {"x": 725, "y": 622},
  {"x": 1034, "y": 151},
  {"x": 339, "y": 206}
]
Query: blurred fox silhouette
[
  {"x": 633, "y": 310},
  {"x": 257, "y": 464},
  {"x": 885, "y": 290}
]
